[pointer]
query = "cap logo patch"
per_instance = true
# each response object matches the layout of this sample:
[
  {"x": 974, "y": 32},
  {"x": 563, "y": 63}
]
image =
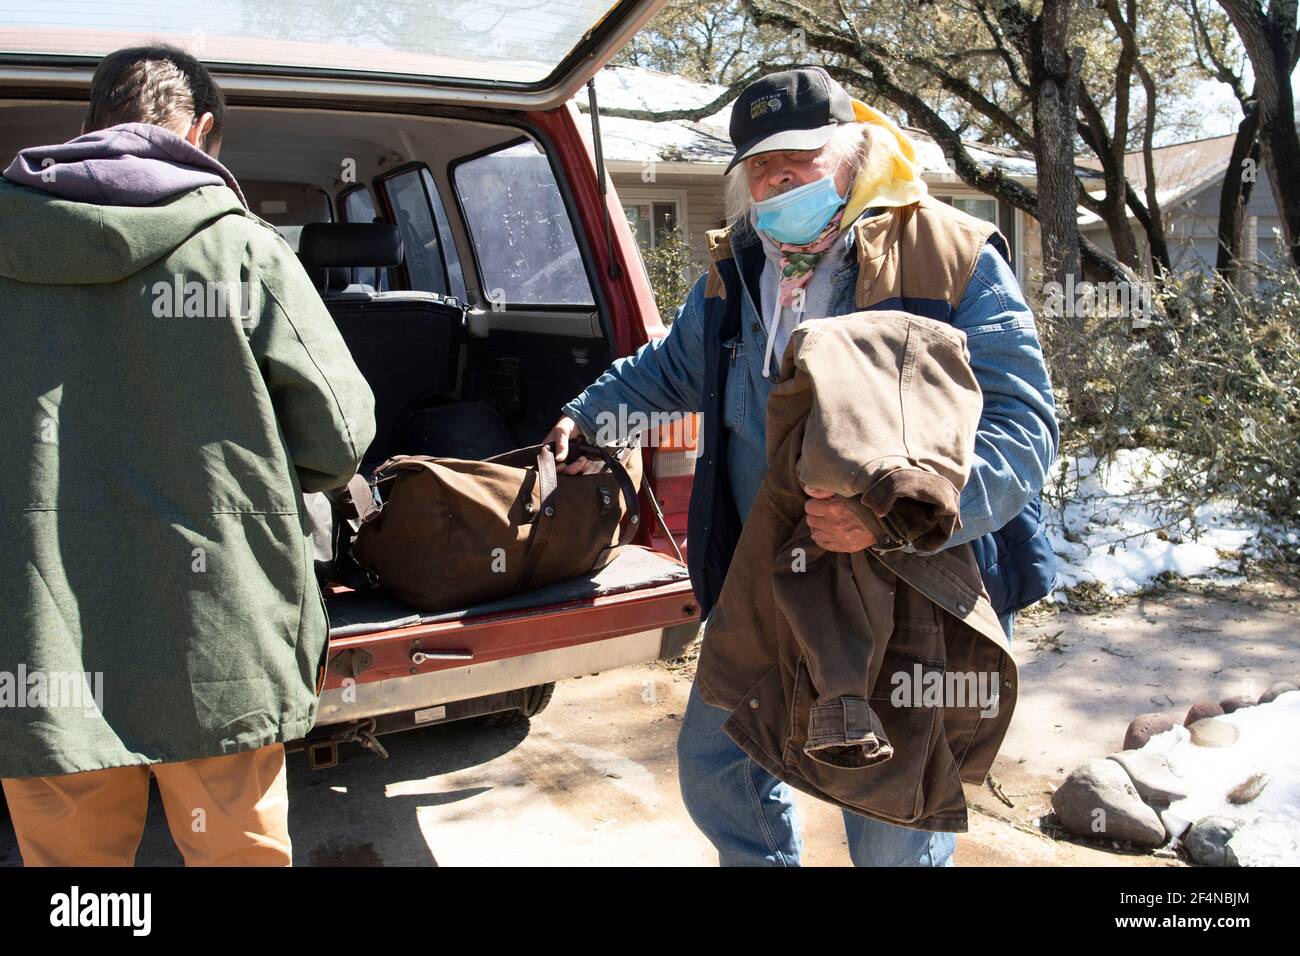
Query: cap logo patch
[{"x": 762, "y": 107}]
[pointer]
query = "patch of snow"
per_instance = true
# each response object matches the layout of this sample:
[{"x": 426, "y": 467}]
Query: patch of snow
[
  {"x": 1267, "y": 831},
  {"x": 1113, "y": 517}
]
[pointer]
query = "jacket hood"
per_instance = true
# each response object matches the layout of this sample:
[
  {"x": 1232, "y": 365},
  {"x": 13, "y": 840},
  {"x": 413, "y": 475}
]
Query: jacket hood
[
  {"x": 103, "y": 206},
  {"x": 51, "y": 241},
  {"x": 132, "y": 164}
]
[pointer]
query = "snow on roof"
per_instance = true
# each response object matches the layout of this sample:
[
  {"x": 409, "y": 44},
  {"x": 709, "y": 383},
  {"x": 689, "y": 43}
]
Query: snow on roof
[
  {"x": 1166, "y": 198},
  {"x": 673, "y": 141},
  {"x": 636, "y": 88},
  {"x": 1008, "y": 160}
]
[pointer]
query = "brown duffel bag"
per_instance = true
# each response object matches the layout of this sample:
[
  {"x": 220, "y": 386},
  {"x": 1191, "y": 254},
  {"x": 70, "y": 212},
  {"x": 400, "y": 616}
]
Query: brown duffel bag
[{"x": 444, "y": 533}]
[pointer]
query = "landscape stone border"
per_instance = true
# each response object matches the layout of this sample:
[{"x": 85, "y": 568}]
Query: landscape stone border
[{"x": 1121, "y": 797}]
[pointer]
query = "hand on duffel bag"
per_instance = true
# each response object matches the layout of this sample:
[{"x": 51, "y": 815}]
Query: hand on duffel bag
[{"x": 444, "y": 533}]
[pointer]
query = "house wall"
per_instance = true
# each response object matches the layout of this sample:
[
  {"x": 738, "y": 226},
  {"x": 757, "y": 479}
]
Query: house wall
[
  {"x": 1192, "y": 224},
  {"x": 1031, "y": 257},
  {"x": 1020, "y": 230},
  {"x": 700, "y": 193}
]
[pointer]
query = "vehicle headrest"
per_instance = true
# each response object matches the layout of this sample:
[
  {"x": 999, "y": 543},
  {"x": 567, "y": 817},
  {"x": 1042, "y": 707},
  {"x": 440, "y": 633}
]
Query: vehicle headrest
[
  {"x": 328, "y": 279},
  {"x": 350, "y": 244}
]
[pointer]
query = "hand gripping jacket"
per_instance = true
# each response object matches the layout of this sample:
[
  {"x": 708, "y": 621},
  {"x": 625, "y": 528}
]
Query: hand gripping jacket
[{"x": 879, "y": 679}]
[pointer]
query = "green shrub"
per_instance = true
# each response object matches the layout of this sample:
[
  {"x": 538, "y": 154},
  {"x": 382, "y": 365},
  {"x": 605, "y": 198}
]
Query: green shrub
[{"x": 672, "y": 272}]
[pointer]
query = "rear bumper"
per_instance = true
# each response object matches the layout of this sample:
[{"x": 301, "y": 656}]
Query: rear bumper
[
  {"x": 400, "y": 670},
  {"x": 419, "y": 691}
]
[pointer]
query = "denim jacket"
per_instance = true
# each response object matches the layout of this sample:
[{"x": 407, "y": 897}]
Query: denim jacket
[{"x": 1015, "y": 443}]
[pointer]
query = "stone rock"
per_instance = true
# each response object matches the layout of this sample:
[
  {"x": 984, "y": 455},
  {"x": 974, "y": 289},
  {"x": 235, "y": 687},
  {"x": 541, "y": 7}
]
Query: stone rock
[
  {"x": 1248, "y": 789},
  {"x": 1098, "y": 799},
  {"x": 1233, "y": 704},
  {"x": 1154, "y": 781},
  {"x": 1146, "y": 726},
  {"x": 1200, "y": 710},
  {"x": 1212, "y": 732},
  {"x": 1275, "y": 690},
  {"x": 1207, "y": 842}
]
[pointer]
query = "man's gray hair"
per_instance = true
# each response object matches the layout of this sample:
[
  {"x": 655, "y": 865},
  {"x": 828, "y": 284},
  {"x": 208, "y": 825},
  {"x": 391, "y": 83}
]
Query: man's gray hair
[{"x": 851, "y": 141}]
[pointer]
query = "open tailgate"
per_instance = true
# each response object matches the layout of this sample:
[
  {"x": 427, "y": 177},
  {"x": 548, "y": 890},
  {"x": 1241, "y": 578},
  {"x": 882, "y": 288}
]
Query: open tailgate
[
  {"x": 385, "y": 658},
  {"x": 485, "y": 52}
]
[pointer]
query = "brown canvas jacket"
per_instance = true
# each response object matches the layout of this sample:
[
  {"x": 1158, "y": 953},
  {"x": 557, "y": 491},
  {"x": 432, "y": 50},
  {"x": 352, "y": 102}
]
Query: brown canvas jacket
[{"x": 878, "y": 680}]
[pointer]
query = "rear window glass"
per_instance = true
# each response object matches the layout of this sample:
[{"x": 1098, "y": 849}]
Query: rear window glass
[
  {"x": 287, "y": 206},
  {"x": 520, "y": 230},
  {"x": 358, "y": 206},
  {"x": 485, "y": 40}
]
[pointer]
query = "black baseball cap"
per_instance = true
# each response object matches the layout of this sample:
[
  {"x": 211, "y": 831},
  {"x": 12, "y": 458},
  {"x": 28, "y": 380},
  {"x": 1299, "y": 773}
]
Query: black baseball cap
[{"x": 793, "y": 109}]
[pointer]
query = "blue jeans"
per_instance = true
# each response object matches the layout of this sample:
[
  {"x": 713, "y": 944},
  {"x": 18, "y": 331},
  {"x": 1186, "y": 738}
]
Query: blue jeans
[{"x": 750, "y": 816}]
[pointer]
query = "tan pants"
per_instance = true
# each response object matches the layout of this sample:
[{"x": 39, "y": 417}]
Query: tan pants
[{"x": 222, "y": 811}]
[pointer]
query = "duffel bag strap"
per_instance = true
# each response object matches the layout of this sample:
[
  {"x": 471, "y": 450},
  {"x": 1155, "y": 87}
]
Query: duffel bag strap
[
  {"x": 581, "y": 448},
  {"x": 363, "y": 499},
  {"x": 548, "y": 483}
]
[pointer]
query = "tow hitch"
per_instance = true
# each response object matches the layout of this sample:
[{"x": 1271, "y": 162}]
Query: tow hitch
[{"x": 324, "y": 754}]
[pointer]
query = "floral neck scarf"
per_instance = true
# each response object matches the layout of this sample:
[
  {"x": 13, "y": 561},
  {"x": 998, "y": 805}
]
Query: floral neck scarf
[{"x": 799, "y": 260}]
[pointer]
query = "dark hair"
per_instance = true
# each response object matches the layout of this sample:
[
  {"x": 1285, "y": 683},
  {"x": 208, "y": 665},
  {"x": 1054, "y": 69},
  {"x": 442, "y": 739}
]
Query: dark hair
[{"x": 158, "y": 84}]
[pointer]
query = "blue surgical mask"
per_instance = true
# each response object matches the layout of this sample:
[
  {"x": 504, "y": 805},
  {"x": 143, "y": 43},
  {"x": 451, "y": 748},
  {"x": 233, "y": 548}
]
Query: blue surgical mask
[{"x": 798, "y": 215}]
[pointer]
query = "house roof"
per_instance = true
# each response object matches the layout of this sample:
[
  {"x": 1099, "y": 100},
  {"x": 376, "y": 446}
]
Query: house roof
[
  {"x": 705, "y": 143},
  {"x": 1181, "y": 170},
  {"x": 636, "y": 88}
]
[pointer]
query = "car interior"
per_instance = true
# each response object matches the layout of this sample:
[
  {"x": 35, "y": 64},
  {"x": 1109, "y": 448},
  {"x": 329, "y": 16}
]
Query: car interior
[
  {"x": 426, "y": 243},
  {"x": 444, "y": 250}
]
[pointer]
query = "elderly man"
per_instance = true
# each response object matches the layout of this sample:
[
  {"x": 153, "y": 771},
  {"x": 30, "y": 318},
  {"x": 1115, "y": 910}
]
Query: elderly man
[{"x": 828, "y": 215}]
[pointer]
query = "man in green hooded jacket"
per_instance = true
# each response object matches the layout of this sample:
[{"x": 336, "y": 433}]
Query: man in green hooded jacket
[{"x": 171, "y": 385}]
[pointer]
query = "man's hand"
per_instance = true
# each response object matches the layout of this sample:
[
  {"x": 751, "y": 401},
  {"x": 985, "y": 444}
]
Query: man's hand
[
  {"x": 565, "y": 430},
  {"x": 834, "y": 525}
]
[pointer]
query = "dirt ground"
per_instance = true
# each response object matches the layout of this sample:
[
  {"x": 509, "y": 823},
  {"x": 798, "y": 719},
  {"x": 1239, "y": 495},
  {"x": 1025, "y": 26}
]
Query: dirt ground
[{"x": 592, "y": 779}]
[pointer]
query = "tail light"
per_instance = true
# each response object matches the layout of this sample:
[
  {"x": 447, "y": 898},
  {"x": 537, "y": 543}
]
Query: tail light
[{"x": 672, "y": 469}]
